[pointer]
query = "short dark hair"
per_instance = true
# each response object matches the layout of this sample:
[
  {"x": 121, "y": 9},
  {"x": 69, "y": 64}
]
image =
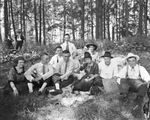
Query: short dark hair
[
  {"x": 66, "y": 52},
  {"x": 58, "y": 47},
  {"x": 17, "y": 59},
  {"x": 44, "y": 53},
  {"x": 67, "y": 35}
]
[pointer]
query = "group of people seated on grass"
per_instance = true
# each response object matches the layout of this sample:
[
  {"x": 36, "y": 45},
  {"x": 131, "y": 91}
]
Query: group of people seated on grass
[{"x": 64, "y": 69}]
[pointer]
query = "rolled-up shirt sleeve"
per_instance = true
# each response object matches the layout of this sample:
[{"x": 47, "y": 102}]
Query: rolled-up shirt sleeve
[
  {"x": 49, "y": 73},
  {"x": 122, "y": 73},
  {"x": 29, "y": 72},
  {"x": 144, "y": 74}
]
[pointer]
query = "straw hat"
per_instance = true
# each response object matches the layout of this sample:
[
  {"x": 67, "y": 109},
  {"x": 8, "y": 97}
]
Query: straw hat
[{"x": 131, "y": 55}]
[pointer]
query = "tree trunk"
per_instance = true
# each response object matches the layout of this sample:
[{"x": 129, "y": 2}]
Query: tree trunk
[
  {"x": 82, "y": 19},
  {"x": 92, "y": 32},
  {"x": 140, "y": 17},
  {"x": 100, "y": 20},
  {"x": 13, "y": 23},
  {"x": 44, "y": 37},
  {"x": 146, "y": 3},
  {"x": 97, "y": 19},
  {"x": 64, "y": 27},
  {"x": 72, "y": 15},
  {"x": 0, "y": 23},
  {"x": 21, "y": 14},
  {"x": 126, "y": 17},
  {"x": 24, "y": 22},
  {"x": 35, "y": 21},
  {"x": 116, "y": 20},
  {"x": 108, "y": 21},
  {"x": 40, "y": 26},
  {"x": 6, "y": 18},
  {"x": 104, "y": 12}
]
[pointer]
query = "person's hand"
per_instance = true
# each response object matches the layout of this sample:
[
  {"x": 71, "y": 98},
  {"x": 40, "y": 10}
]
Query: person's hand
[
  {"x": 56, "y": 78},
  {"x": 37, "y": 79},
  {"x": 15, "y": 92},
  {"x": 91, "y": 75}
]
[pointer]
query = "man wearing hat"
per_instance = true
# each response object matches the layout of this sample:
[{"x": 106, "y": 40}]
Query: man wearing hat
[
  {"x": 133, "y": 76},
  {"x": 92, "y": 50},
  {"x": 107, "y": 69},
  {"x": 19, "y": 40}
]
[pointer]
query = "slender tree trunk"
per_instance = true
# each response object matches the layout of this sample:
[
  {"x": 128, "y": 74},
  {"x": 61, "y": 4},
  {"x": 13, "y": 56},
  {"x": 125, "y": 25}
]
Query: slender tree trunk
[
  {"x": 0, "y": 23},
  {"x": 35, "y": 21},
  {"x": 97, "y": 19},
  {"x": 40, "y": 26},
  {"x": 108, "y": 21},
  {"x": 100, "y": 20},
  {"x": 146, "y": 4},
  {"x": 116, "y": 20},
  {"x": 82, "y": 19},
  {"x": 104, "y": 12},
  {"x": 72, "y": 15},
  {"x": 6, "y": 17},
  {"x": 119, "y": 20},
  {"x": 24, "y": 22},
  {"x": 44, "y": 37},
  {"x": 140, "y": 17},
  {"x": 113, "y": 33},
  {"x": 92, "y": 32},
  {"x": 64, "y": 19},
  {"x": 126, "y": 17},
  {"x": 21, "y": 14},
  {"x": 9, "y": 17},
  {"x": 13, "y": 23}
]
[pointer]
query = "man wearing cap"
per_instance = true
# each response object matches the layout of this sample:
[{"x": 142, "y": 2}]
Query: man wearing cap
[
  {"x": 92, "y": 50},
  {"x": 107, "y": 69},
  {"x": 133, "y": 77},
  {"x": 68, "y": 45},
  {"x": 19, "y": 40}
]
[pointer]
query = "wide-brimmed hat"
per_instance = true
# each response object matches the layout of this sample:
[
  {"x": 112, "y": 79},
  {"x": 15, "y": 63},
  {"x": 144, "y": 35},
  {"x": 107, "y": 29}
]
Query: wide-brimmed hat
[
  {"x": 91, "y": 44},
  {"x": 130, "y": 55},
  {"x": 107, "y": 54},
  {"x": 87, "y": 55}
]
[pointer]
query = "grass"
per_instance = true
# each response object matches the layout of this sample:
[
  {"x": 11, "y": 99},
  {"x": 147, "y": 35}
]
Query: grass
[{"x": 33, "y": 107}]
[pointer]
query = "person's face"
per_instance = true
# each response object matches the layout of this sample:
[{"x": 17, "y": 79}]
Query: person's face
[
  {"x": 20, "y": 63},
  {"x": 91, "y": 48},
  {"x": 45, "y": 59},
  {"x": 132, "y": 61},
  {"x": 66, "y": 56},
  {"x": 107, "y": 60},
  {"x": 88, "y": 60},
  {"x": 67, "y": 38},
  {"x": 59, "y": 51}
]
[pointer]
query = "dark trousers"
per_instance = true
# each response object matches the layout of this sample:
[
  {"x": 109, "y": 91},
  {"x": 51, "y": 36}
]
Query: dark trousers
[
  {"x": 67, "y": 82},
  {"x": 38, "y": 84},
  {"x": 83, "y": 85},
  {"x": 21, "y": 87},
  {"x": 19, "y": 45},
  {"x": 134, "y": 85}
]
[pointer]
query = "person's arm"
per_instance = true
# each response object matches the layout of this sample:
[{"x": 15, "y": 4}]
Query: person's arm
[
  {"x": 11, "y": 79},
  {"x": 121, "y": 74},
  {"x": 29, "y": 72},
  {"x": 69, "y": 71},
  {"x": 83, "y": 66},
  {"x": 52, "y": 61},
  {"x": 144, "y": 74},
  {"x": 49, "y": 73}
]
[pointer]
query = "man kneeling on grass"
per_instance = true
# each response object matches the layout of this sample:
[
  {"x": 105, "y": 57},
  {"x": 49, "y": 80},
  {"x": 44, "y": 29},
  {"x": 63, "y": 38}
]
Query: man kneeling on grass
[
  {"x": 40, "y": 74},
  {"x": 133, "y": 77}
]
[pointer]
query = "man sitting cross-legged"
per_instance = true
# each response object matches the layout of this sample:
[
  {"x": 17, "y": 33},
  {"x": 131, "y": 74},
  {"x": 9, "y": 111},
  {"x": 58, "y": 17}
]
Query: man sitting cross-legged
[
  {"x": 91, "y": 76},
  {"x": 40, "y": 74},
  {"x": 133, "y": 77}
]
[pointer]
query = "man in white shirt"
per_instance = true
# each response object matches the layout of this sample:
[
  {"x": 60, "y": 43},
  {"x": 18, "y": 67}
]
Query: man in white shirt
[
  {"x": 57, "y": 58},
  {"x": 68, "y": 45},
  {"x": 133, "y": 76},
  {"x": 40, "y": 74},
  {"x": 107, "y": 69},
  {"x": 65, "y": 69}
]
